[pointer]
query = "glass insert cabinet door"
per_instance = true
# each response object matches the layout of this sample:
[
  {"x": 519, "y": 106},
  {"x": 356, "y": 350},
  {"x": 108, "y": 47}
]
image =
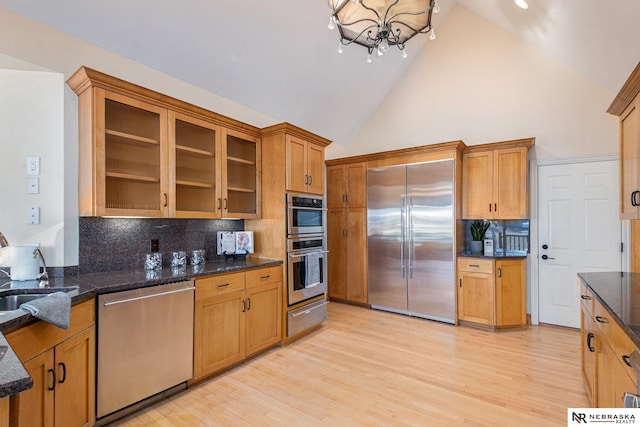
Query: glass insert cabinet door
[
  {"x": 134, "y": 144},
  {"x": 241, "y": 175},
  {"x": 196, "y": 149}
]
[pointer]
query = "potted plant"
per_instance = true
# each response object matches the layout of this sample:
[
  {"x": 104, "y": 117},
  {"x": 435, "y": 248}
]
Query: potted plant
[{"x": 478, "y": 228}]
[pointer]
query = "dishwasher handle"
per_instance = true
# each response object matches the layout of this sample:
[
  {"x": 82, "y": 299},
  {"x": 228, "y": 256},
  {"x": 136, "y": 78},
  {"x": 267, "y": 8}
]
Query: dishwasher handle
[{"x": 108, "y": 303}]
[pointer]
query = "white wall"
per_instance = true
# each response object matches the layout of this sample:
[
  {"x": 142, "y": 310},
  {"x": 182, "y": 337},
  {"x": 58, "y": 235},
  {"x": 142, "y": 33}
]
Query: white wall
[
  {"x": 481, "y": 84},
  {"x": 27, "y": 45},
  {"x": 32, "y": 124}
]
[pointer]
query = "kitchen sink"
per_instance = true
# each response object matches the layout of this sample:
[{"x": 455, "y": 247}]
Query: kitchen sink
[
  {"x": 13, "y": 302},
  {"x": 11, "y": 299}
]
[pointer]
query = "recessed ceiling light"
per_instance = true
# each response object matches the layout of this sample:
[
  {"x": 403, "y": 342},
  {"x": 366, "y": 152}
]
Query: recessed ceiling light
[{"x": 522, "y": 3}]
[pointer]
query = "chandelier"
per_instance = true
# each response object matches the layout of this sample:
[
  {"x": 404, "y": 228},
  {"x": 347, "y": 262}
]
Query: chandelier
[{"x": 379, "y": 24}]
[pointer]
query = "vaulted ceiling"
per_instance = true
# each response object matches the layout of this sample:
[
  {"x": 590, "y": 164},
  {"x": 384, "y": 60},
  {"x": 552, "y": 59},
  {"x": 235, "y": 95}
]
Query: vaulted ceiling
[{"x": 279, "y": 58}]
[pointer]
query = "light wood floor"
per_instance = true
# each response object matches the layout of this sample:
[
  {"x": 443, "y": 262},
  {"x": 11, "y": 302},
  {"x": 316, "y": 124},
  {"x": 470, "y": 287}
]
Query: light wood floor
[{"x": 371, "y": 368}]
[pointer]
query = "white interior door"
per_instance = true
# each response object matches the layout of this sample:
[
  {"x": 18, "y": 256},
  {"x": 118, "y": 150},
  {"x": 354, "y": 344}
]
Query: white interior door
[{"x": 578, "y": 231}]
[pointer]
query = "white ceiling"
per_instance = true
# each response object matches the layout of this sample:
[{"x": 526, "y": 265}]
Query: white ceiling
[{"x": 281, "y": 60}]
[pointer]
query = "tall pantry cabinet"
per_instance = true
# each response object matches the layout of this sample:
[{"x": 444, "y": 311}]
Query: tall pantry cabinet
[
  {"x": 347, "y": 231},
  {"x": 626, "y": 106}
]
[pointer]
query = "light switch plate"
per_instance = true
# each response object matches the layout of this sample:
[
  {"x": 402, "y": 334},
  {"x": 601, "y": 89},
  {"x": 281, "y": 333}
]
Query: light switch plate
[
  {"x": 33, "y": 165},
  {"x": 33, "y": 215},
  {"x": 33, "y": 185}
]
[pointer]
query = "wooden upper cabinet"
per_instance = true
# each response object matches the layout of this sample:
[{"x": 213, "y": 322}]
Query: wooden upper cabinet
[
  {"x": 347, "y": 185},
  {"x": 145, "y": 154},
  {"x": 495, "y": 180},
  {"x": 304, "y": 166},
  {"x": 626, "y": 106}
]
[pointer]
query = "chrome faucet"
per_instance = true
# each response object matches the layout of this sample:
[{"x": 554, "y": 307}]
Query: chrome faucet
[{"x": 3, "y": 241}]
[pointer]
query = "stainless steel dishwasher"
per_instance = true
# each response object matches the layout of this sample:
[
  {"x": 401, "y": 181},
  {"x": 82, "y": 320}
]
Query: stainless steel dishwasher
[{"x": 145, "y": 344}]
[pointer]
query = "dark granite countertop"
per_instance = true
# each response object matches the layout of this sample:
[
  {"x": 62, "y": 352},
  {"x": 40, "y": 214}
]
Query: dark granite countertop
[
  {"x": 14, "y": 378},
  {"x": 619, "y": 294}
]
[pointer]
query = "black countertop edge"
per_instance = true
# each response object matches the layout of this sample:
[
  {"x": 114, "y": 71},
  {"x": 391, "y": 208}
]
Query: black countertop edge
[
  {"x": 472, "y": 255},
  {"x": 606, "y": 287},
  {"x": 13, "y": 376}
]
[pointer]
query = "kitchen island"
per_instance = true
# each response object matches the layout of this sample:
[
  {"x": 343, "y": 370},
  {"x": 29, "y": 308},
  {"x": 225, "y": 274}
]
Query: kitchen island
[{"x": 610, "y": 323}]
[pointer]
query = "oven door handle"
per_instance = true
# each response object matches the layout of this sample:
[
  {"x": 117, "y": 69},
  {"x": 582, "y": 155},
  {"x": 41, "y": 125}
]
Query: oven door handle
[{"x": 306, "y": 253}]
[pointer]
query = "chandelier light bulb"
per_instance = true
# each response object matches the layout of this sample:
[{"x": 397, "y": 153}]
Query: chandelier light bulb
[
  {"x": 436, "y": 7},
  {"x": 403, "y": 54},
  {"x": 383, "y": 47},
  {"x": 432, "y": 36},
  {"x": 369, "y": 58},
  {"x": 340, "y": 47},
  {"x": 522, "y": 4},
  {"x": 331, "y": 24}
]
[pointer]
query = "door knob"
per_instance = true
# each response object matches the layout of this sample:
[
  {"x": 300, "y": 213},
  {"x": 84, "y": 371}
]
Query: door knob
[
  {"x": 545, "y": 246},
  {"x": 546, "y": 257}
]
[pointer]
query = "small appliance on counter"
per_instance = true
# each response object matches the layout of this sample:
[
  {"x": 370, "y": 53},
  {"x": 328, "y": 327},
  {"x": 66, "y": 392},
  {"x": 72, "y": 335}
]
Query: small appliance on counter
[
  {"x": 488, "y": 247},
  {"x": 235, "y": 243}
]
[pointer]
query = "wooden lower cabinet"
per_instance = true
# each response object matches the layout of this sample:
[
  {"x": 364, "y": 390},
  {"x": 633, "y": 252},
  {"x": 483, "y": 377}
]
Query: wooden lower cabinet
[
  {"x": 347, "y": 257},
  {"x": 605, "y": 348},
  {"x": 236, "y": 315},
  {"x": 63, "y": 392},
  {"x": 492, "y": 292}
]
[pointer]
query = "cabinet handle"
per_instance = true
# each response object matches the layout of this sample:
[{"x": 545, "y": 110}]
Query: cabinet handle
[
  {"x": 310, "y": 179},
  {"x": 53, "y": 379},
  {"x": 474, "y": 265},
  {"x": 346, "y": 198},
  {"x": 489, "y": 207},
  {"x": 601, "y": 319},
  {"x": 306, "y": 180},
  {"x": 226, "y": 204},
  {"x": 495, "y": 207},
  {"x": 219, "y": 203},
  {"x": 590, "y": 336},
  {"x": 244, "y": 306},
  {"x": 585, "y": 297},
  {"x": 625, "y": 359},
  {"x": 461, "y": 282},
  {"x": 166, "y": 202},
  {"x": 265, "y": 277},
  {"x": 634, "y": 198},
  {"x": 224, "y": 285},
  {"x": 64, "y": 372},
  {"x": 248, "y": 304},
  {"x": 500, "y": 272}
]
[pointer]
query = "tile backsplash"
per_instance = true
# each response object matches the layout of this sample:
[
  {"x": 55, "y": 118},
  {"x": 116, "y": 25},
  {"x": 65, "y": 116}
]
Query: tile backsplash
[{"x": 107, "y": 244}]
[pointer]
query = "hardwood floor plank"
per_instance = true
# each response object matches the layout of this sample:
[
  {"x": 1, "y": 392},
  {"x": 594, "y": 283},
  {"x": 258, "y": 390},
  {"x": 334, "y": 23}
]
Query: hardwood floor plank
[{"x": 370, "y": 368}]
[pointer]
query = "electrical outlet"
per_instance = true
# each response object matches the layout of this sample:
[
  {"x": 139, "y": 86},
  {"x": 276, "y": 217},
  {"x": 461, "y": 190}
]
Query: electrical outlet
[
  {"x": 155, "y": 245},
  {"x": 33, "y": 165}
]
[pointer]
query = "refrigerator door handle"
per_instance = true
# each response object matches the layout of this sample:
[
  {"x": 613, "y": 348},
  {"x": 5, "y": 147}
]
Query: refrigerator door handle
[
  {"x": 410, "y": 237},
  {"x": 402, "y": 234}
]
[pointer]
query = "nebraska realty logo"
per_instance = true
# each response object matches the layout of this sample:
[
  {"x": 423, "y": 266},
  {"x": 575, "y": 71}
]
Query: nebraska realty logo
[{"x": 602, "y": 416}]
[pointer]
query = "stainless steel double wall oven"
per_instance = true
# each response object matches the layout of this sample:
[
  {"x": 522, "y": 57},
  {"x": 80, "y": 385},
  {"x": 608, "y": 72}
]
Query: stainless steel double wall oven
[{"x": 306, "y": 260}]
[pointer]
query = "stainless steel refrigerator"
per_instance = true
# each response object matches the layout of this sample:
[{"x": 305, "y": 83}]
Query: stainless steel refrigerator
[{"x": 411, "y": 223}]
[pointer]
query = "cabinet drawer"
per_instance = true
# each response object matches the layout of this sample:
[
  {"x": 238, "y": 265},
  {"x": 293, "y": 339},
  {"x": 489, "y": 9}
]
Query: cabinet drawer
[
  {"x": 263, "y": 276},
  {"x": 219, "y": 285},
  {"x": 476, "y": 265},
  {"x": 586, "y": 297},
  {"x": 613, "y": 334}
]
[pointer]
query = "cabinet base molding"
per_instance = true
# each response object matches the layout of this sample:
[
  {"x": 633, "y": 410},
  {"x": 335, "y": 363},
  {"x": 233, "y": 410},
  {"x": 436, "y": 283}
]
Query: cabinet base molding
[
  {"x": 490, "y": 327},
  {"x": 346, "y": 301}
]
